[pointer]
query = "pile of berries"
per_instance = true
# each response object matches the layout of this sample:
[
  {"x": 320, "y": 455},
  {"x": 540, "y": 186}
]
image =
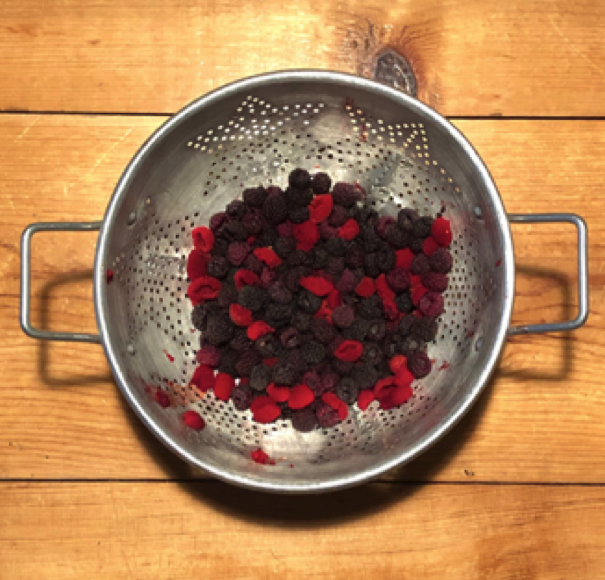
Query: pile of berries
[{"x": 308, "y": 302}]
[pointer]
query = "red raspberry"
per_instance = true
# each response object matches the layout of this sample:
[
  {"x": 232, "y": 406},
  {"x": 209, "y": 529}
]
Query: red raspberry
[
  {"x": 320, "y": 208},
  {"x": 429, "y": 246},
  {"x": 203, "y": 378},
  {"x": 317, "y": 285},
  {"x": 258, "y": 329},
  {"x": 223, "y": 386},
  {"x": 278, "y": 394},
  {"x": 300, "y": 397},
  {"x": 203, "y": 288},
  {"x": 349, "y": 230},
  {"x": 365, "y": 398},
  {"x": 349, "y": 350},
  {"x": 197, "y": 264},
  {"x": 404, "y": 258},
  {"x": 268, "y": 256},
  {"x": 203, "y": 239},
  {"x": 193, "y": 420},
  {"x": 240, "y": 315},
  {"x": 366, "y": 287},
  {"x": 442, "y": 232}
]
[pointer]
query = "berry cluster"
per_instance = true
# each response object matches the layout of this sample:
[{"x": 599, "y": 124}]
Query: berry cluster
[{"x": 308, "y": 302}]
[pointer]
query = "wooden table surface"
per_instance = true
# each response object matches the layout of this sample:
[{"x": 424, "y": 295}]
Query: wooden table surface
[{"x": 516, "y": 491}]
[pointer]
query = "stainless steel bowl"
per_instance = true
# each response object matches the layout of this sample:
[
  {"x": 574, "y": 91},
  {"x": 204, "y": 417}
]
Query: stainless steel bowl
[{"x": 255, "y": 131}]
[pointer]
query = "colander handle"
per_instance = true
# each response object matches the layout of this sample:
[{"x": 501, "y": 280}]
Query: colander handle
[
  {"x": 580, "y": 319},
  {"x": 26, "y": 276}
]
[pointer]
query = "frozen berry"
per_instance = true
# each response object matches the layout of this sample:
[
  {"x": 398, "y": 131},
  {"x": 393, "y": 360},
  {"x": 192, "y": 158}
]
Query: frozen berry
[
  {"x": 441, "y": 261},
  {"x": 370, "y": 239},
  {"x": 322, "y": 330},
  {"x": 284, "y": 373},
  {"x": 278, "y": 315},
  {"x": 338, "y": 217},
  {"x": 304, "y": 420},
  {"x": 347, "y": 390},
  {"x": 314, "y": 382},
  {"x": 365, "y": 376},
  {"x": 275, "y": 208},
  {"x": 319, "y": 258},
  {"x": 411, "y": 344},
  {"x": 442, "y": 231},
  {"x": 343, "y": 367},
  {"x": 406, "y": 323},
  {"x": 252, "y": 298},
  {"x": 406, "y": 218},
  {"x": 242, "y": 397},
  {"x": 290, "y": 338},
  {"x": 236, "y": 209},
  {"x": 376, "y": 330},
  {"x": 420, "y": 265},
  {"x": 218, "y": 220},
  {"x": 336, "y": 246},
  {"x": 435, "y": 281},
  {"x": 266, "y": 238},
  {"x": 404, "y": 302},
  {"x": 383, "y": 223},
  {"x": 227, "y": 295},
  {"x": 419, "y": 364},
  {"x": 209, "y": 355},
  {"x": 357, "y": 330},
  {"x": 372, "y": 354},
  {"x": 249, "y": 359},
  {"x": 313, "y": 352},
  {"x": 299, "y": 178},
  {"x": 254, "y": 265},
  {"x": 335, "y": 267},
  {"x": 370, "y": 308},
  {"x": 417, "y": 245},
  {"x": 321, "y": 183},
  {"x": 220, "y": 247},
  {"x": 253, "y": 221},
  {"x": 229, "y": 359},
  {"x": 422, "y": 227},
  {"x": 220, "y": 329},
  {"x": 193, "y": 420},
  {"x": 279, "y": 293},
  {"x": 370, "y": 265},
  {"x": 398, "y": 280},
  {"x": 283, "y": 247},
  {"x": 295, "y": 358},
  {"x": 397, "y": 237},
  {"x": 301, "y": 321},
  {"x": 308, "y": 302},
  {"x": 199, "y": 316},
  {"x": 237, "y": 252},
  {"x": 234, "y": 230},
  {"x": 343, "y": 316},
  {"x": 354, "y": 256},
  {"x": 425, "y": 328},
  {"x": 346, "y": 194},
  {"x": 240, "y": 341},
  {"x": 218, "y": 267},
  {"x": 267, "y": 346},
  {"x": 260, "y": 377},
  {"x": 385, "y": 258},
  {"x": 255, "y": 196},
  {"x": 431, "y": 304},
  {"x": 327, "y": 416},
  {"x": 298, "y": 215}
]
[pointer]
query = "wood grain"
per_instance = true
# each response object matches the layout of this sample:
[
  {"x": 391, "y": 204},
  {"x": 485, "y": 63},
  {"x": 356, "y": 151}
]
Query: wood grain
[
  {"x": 62, "y": 416},
  {"x": 387, "y": 531},
  {"x": 471, "y": 57}
]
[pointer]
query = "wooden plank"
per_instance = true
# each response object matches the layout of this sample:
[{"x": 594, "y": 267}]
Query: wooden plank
[
  {"x": 62, "y": 416},
  {"x": 471, "y": 57},
  {"x": 387, "y": 531}
]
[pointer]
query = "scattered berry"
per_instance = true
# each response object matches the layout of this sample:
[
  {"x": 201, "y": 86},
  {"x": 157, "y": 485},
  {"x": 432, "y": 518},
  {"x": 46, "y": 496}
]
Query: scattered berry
[
  {"x": 193, "y": 420},
  {"x": 419, "y": 364}
]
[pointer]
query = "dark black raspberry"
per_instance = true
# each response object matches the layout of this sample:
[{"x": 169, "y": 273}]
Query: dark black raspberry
[
  {"x": 417, "y": 245},
  {"x": 278, "y": 315},
  {"x": 252, "y": 298},
  {"x": 313, "y": 352},
  {"x": 275, "y": 208},
  {"x": 411, "y": 344},
  {"x": 404, "y": 302},
  {"x": 227, "y": 295},
  {"x": 377, "y": 330},
  {"x": 267, "y": 346},
  {"x": 234, "y": 230},
  {"x": 342, "y": 367},
  {"x": 335, "y": 267},
  {"x": 279, "y": 293},
  {"x": 347, "y": 283},
  {"x": 365, "y": 376},
  {"x": 370, "y": 308},
  {"x": 422, "y": 227},
  {"x": 343, "y": 316},
  {"x": 254, "y": 264},
  {"x": 299, "y": 258},
  {"x": 336, "y": 246},
  {"x": 228, "y": 362},
  {"x": 219, "y": 330},
  {"x": 441, "y": 261},
  {"x": 284, "y": 373},
  {"x": 237, "y": 252},
  {"x": 296, "y": 197},
  {"x": 199, "y": 316},
  {"x": 308, "y": 302},
  {"x": 320, "y": 258},
  {"x": 425, "y": 328},
  {"x": 255, "y": 197},
  {"x": 397, "y": 236},
  {"x": 327, "y": 417},
  {"x": 420, "y": 265},
  {"x": 398, "y": 280},
  {"x": 218, "y": 267},
  {"x": 217, "y": 221},
  {"x": 354, "y": 256},
  {"x": 419, "y": 364},
  {"x": 283, "y": 247},
  {"x": 385, "y": 258},
  {"x": 304, "y": 420},
  {"x": 298, "y": 215},
  {"x": 365, "y": 216},
  {"x": 370, "y": 265},
  {"x": 406, "y": 218},
  {"x": 247, "y": 361},
  {"x": 346, "y": 194},
  {"x": 242, "y": 397},
  {"x": 322, "y": 330},
  {"x": 253, "y": 221},
  {"x": 357, "y": 331},
  {"x": 299, "y": 178},
  {"x": 219, "y": 248},
  {"x": 260, "y": 377},
  {"x": 295, "y": 358},
  {"x": 266, "y": 238},
  {"x": 406, "y": 324},
  {"x": 338, "y": 216},
  {"x": 240, "y": 342},
  {"x": 236, "y": 209},
  {"x": 372, "y": 354},
  {"x": 290, "y": 338},
  {"x": 370, "y": 239},
  {"x": 321, "y": 183},
  {"x": 301, "y": 321},
  {"x": 347, "y": 390}
]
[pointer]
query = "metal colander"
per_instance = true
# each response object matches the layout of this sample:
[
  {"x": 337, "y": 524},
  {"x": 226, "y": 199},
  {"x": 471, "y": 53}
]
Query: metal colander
[{"x": 255, "y": 132}]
